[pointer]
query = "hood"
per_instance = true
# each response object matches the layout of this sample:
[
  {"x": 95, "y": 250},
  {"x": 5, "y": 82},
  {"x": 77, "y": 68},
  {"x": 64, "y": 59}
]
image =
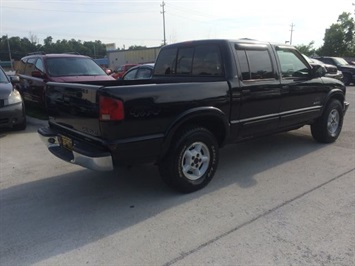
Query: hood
[
  {"x": 5, "y": 90},
  {"x": 81, "y": 78},
  {"x": 348, "y": 67}
]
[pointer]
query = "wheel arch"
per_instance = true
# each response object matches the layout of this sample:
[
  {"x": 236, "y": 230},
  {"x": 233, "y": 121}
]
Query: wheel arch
[
  {"x": 211, "y": 118},
  {"x": 337, "y": 94}
]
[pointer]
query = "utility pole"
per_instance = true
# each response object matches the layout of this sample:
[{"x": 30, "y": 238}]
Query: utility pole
[
  {"x": 163, "y": 12},
  {"x": 8, "y": 46},
  {"x": 292, "y": 30}
]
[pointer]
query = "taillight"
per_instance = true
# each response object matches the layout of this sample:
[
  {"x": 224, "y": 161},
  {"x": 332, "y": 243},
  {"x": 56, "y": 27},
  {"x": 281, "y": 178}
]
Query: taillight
[{"x": 111, "y": 109}]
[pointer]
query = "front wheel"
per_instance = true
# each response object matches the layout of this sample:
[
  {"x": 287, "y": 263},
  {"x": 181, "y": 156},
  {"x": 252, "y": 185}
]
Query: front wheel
[
  {"x": 192, "y": 160},
  {"x": 327, "y": 128}
]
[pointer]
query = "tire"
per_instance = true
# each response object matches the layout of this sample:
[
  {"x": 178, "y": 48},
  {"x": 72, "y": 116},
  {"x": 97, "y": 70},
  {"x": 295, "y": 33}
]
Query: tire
[
  {"x": 23, "y": 124},
  {"x": 327, "y": 128},
  {"x": 191, "y": 162}
]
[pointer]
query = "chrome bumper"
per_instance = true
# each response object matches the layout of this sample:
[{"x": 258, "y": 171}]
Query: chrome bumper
[
  {"x": 81, "y": 154},
  {"x": 346, "y": 106}
]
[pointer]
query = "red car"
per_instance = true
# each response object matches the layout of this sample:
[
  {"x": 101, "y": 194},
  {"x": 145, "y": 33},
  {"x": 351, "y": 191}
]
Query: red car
[
  {"x": 37, "y": 69},
  {"x": 121, "y": 70}
]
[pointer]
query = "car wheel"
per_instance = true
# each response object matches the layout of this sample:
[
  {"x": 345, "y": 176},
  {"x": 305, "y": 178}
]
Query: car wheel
[
  {"x": 347, "y": 79},
  {"x": 23, "y": 124},
  {"x": 327, "y": 128},
  {"x": 192, "y": 160}
]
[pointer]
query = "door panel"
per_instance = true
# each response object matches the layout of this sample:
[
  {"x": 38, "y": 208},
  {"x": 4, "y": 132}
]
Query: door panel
[
  {"x": 301, "y": 95},
  {"x": 259, "y": 92}
]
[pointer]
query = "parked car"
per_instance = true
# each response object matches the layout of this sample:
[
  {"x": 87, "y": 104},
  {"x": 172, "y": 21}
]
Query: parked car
[
  {"x": 37, "y": 69},
  {"x": 121, "y": 70},
  {"x": 12, "y": 109},
  {"x": 144, "y": 71},
  {"x": 331, "y": 71},
  {"x": 347, "y": 69}
]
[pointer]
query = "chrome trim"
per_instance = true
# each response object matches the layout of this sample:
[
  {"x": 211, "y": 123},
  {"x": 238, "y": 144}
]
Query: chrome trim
[
  {"x": 271, "y": 116},
  {"x": 94, "y": 163},
  {"x": 346, "y": 106},
  {"x": 263, "y": 117},
  {"x": 103, "y": 163}
]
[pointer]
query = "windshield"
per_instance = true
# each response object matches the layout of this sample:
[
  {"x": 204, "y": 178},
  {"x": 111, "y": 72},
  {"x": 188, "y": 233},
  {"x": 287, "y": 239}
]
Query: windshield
[
  {"x": 73, "y": 66},
  {"x": 3, "y": 77},
  {"x": 341, "y": 61}
]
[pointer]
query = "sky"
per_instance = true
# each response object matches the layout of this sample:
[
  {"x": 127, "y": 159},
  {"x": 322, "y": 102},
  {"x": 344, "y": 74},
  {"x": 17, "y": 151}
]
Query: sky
[{"x": 135, "y": 22}]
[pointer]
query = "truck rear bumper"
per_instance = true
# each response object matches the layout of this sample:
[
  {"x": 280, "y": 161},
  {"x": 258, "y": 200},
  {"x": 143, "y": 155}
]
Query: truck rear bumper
[
  {"x": 80, "y": 154},
  {"x": 346, "y": 106}
]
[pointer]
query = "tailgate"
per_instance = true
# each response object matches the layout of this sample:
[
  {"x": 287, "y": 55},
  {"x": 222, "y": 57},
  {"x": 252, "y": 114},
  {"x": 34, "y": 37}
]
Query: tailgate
[{"x": 74, "y": 106}]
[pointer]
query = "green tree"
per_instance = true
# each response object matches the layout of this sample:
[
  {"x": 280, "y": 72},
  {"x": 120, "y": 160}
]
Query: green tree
[
  {"x": 136, "y": 47},
  {"x": 339, "y": 38},
  {"x": 308, "y": 50}
]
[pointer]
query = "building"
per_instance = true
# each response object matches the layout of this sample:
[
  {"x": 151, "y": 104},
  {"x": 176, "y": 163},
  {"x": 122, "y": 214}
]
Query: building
[{"x": 140, "y": 56}]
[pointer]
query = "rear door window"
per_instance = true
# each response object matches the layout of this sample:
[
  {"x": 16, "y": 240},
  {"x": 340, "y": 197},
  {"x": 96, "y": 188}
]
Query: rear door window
[
  {"x": 200, "y": 60},
  {"x": 255, "y": 64}
]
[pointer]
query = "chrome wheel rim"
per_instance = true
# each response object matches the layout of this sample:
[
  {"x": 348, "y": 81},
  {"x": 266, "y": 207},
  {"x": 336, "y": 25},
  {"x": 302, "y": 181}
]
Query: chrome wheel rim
[
  {"x": 195, "y": 161},
  {"x": 333, "y": 122}
]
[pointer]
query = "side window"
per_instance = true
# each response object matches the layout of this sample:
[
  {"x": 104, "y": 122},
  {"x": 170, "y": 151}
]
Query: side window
[
  {"x": 291, "y": 64},
  {"x": 255, "y": 64},
  {"x": 200, "y": 60},
  {"x": 131, "y": 74},
  {"x": 207, "y": 61},
  {"x": 39, "y": 65},
  {"x": 328, "y": 61},
  {"x": 30, "y": 66},
  {"x": 22, "y": 66},
  {"x": 144, "y": 73},
  {"x": 244, "y": 65},
  {"x": 184, "y": 61},
  {"x": 260, "y": 64},
  {"x": 166, "y": 62}
]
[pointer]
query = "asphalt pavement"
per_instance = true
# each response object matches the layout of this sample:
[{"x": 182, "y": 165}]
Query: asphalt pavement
[{"x": 278, "y": 200}]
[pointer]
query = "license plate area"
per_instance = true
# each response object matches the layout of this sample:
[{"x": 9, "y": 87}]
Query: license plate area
[{"x": 65, "y": 142}]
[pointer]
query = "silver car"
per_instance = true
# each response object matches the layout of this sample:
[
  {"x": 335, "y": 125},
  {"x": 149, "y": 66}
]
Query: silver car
[{"x": 12, "y": 108}]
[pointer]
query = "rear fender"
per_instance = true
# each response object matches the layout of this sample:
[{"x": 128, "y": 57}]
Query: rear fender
[{"x": 210, "y": 118}]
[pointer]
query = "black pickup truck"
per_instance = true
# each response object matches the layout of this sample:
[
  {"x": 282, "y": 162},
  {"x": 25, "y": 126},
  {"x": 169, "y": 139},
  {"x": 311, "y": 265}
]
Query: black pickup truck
[{"x": 203, "y": 94}]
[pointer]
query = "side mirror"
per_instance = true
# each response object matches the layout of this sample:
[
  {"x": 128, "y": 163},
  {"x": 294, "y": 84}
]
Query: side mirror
[
  {"x": 37, "y": 74},
  {"x": 318, "y": 71},
  {"x": 14, "y": 79}
]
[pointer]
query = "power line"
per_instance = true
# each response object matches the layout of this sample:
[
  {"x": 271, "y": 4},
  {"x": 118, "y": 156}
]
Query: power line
[{"x": 77, "y": 11}]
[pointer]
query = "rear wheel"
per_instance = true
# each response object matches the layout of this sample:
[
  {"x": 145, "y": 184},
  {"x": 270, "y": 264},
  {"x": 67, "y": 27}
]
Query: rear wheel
[
  {"x": 328, "y": 127},
  {"x": 192, "y": 160}
]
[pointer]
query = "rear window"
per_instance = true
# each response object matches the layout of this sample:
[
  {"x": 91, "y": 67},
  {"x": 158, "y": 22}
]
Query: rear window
[
  {"x": 72, "y": 66},
  {"x": 201, "y": 60}
]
